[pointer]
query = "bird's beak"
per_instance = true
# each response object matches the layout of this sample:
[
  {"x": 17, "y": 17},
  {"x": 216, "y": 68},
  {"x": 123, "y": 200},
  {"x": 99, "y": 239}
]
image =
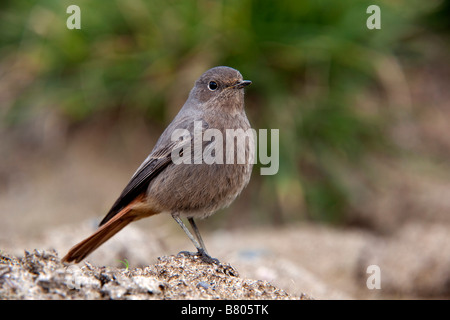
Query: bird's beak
[{"x": 241, "y": 84}]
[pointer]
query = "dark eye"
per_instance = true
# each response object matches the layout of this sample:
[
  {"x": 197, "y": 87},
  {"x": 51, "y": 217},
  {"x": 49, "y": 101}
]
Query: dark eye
[{"x": 212, "y": 85}]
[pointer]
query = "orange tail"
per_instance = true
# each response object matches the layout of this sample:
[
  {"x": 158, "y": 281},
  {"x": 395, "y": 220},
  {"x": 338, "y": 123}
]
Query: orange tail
[{"x": 128, "y": 214}]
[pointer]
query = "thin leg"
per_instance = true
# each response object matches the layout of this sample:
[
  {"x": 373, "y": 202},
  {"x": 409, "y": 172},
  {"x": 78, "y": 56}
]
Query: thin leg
[
  {"x": 200, "y": 246},
  {"x": 188, "y": 233},
  {"x": 197, "y": 233}
]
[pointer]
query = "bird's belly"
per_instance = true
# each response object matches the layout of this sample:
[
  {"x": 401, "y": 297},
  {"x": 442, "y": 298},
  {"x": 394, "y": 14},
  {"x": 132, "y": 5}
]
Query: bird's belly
[{"x": 198, "y": 190}]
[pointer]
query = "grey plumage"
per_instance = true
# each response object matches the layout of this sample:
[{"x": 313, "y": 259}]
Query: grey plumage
[{"x": 187, "y": 190}]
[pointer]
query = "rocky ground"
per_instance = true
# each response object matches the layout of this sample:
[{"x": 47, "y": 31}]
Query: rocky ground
[
  {"x": 41, "y": 275},
  {"x": 295, "y": 262}
]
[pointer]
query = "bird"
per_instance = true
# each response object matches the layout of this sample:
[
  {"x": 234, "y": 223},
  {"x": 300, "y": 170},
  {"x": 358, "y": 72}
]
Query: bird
[{"x": 187, "y": 189}]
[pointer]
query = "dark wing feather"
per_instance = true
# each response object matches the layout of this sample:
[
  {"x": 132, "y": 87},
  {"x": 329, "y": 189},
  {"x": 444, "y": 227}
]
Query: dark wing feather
[
  {"x": 152, "y": 166},
  {"x": 141, "y": 179}
]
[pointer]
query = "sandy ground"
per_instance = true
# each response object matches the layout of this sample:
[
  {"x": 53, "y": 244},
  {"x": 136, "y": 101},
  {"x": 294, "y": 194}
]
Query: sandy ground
[
  {"x": 40, "y": 275},
  {"x": 323, "y": 262}
]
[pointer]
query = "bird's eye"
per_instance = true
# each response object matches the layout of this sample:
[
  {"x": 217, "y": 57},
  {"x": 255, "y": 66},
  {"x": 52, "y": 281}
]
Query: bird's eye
[{"x": 212, "y": 85}]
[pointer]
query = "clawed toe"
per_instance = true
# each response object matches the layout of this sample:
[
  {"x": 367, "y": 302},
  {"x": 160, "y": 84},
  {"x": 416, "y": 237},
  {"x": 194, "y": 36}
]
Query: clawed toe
[
  {"x": 201, "y": 254},
  {"x": 207, "y": 258}
]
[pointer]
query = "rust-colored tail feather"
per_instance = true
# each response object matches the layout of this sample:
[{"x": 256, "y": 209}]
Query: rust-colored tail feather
[{"x": 128, "y": 214}]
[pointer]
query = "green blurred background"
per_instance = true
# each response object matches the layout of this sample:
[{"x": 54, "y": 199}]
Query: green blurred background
[{"x": 349, "y": 110}]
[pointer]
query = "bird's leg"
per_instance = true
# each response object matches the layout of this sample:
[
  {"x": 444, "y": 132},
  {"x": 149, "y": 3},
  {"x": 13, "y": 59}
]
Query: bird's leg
[
  {"x": 197, "y": 234},
  {"x": 204, "y": 254},
  {"x": 186, "y": 230},
  {"x": 198, "y": 244}
]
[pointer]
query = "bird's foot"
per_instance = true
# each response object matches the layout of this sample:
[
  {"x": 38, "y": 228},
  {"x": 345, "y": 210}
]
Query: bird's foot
[
  {"x": 202, "y": 255},
  {"x": 207, "y": 258},
  {"x": 187, "y": 253}
]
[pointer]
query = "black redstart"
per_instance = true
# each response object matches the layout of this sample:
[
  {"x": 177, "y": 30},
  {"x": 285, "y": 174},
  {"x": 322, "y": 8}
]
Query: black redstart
[{"x": 195, "y": 188}]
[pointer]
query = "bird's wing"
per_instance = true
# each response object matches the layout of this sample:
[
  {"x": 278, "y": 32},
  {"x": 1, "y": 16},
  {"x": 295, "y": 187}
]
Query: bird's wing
[{"x": 156, "y": 162}]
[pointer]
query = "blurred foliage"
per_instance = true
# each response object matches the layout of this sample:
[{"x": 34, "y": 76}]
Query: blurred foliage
[{"x": 312, "y": 64}]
